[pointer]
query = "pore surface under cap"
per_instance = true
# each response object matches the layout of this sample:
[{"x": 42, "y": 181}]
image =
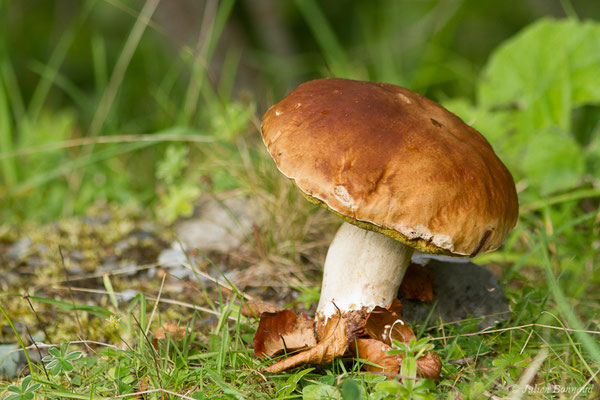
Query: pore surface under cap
[{"x": 393, "y": 161}]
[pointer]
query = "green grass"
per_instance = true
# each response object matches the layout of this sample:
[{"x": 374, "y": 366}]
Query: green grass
[
  {"x": 216, "y": 360},
  {"x": 113, "y": 115}
]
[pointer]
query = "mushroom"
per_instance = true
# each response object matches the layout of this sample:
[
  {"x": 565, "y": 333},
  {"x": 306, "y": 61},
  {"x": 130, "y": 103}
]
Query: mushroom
[{"x": 402, "y": 172}]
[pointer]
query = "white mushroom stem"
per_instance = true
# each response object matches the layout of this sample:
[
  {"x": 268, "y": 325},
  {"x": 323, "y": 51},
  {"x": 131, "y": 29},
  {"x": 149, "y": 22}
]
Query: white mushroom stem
[{"x": 363, "y": 269}]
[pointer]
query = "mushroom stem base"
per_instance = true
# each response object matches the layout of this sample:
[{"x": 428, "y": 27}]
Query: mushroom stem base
[{"x": 363, "y": 270}]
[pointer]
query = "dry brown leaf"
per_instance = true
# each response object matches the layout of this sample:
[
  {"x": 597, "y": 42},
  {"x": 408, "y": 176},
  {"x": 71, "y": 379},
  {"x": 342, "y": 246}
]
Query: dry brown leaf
[
  {"x": 334, "y": 344},
  {"x": 429, "y": 366},
  {"x": 281, "y": 331},
  {"x": 256, "y": 308},
  {"x": 375, "y": 351},
  {"x": 418, "y": 283},
  {"x": 172, "y": 331},
  {"x": 385, "y": 324},
  {"x": 168, "y": 330},
  {"x": 382, "y": 324}
]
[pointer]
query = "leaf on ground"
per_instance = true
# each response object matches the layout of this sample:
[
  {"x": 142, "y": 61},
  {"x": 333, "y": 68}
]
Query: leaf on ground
[
  {"x": 418, "y": 283},
  {"x": 256, "y": 308},
  {"x": 320, "y": 391},
  {"x": 385, "y": 324},
  {"x": 168, "y": 330},
  {"x": 376, "y": 352},
  {"x": 429, "y": 366},
  {"x": 283, "y": 331},
  {"x": 334, "y": 344}
]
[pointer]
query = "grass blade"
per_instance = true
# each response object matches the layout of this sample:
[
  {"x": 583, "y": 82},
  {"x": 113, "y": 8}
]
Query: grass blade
[
  {"x": 563, "y": 304},
  {"x": 56, "y": 59},
  {"x": 325, "y": 37},
  {"x": 18, "y": 338},
  {"x": 9, "y": 168},
  {"x": 74, "y": 165},
  {"x": 123, "y": 61},
  {"x": 209, "y": 36}
]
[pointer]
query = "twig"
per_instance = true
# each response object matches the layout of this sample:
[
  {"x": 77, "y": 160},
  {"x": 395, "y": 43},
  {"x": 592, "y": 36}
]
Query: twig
[
  {"x": 229, "y": 285},
  {"x": 585, "y": 384},
  {"x": 48, "y": 345},
  {"x": 38, "y": 350},
  {"x": 468, "y": 319},
  {"x": 26, "y": 297},
  {"x": 527, "y": 341},
  {"x": 162, "y": 284}
]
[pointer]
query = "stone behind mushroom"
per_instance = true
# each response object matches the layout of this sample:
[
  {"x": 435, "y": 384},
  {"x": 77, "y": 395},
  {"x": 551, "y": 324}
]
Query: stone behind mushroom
[{"x": 462, "y": 290}]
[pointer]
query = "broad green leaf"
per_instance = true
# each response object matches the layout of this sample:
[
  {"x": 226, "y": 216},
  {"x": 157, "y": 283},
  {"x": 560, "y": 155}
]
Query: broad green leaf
[
  {"x": 527, "y": 99},
  {"x": 390, "y": 387},
  {"x": 74, "y": 355},
  {"x": 292, "y": 381},
  {"x": 351, "y": 390},
  {"x": 545, "y": 71},
  {"x": 14, "y": 389},
  {"x": 54, "y": 351},
  {"x": 320, "y": 392},
  {"x": 25, "y": 383},
  {"x": 68, "y": 306},
  {"x": 553, "y": 161}
]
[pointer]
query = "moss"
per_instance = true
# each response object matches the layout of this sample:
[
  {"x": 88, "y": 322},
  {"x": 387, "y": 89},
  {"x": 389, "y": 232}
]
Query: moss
[{"x": 109, "y": 234}]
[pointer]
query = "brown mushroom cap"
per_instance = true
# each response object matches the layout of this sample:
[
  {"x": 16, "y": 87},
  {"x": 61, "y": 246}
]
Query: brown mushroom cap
[{"x": 392, "y": 161}]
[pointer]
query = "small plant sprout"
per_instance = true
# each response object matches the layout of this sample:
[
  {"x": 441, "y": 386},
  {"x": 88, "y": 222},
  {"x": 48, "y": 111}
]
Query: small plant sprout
[
  {"x": 25, "y": 391},
  {"x": 415, "y": 348},
  {"x": 60, "y": 360},
  {"x": 113, "y": 322},
  {"x": 411, "y": 387}
]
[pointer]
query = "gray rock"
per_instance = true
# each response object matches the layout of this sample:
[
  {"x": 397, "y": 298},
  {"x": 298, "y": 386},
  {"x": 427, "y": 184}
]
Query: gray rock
[
  {"x": 173, "y": 257},
  {"x": 219, "y": 226},
  {"x": 462, "y": 290},
  {"x": 19, "y": 250},
  {"x": 127, "y": 295},
  {"x": 109, "y": 264},
  {"x": 75, "y": 270}
]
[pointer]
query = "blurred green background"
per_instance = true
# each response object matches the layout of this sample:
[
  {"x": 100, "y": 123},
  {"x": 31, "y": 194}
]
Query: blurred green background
[{"x": 147, "y": 103}]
